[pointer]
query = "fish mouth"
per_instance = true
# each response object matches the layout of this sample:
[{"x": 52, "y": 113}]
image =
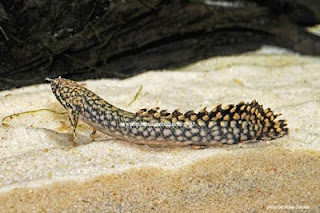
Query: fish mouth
[{"x": 55, "y": 87}]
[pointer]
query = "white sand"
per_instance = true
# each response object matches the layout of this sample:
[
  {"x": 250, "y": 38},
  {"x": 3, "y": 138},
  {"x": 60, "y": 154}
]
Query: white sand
[{"x": 41, "y": 171}]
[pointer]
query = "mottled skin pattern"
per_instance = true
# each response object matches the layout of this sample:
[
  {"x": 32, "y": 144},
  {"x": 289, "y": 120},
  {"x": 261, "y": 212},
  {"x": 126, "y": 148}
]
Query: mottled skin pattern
[{"x": 244, "y": 122}]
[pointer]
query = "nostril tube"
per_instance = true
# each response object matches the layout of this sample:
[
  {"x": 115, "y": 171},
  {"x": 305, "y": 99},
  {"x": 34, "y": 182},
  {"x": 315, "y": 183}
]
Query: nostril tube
[{"x": 49, "y": 79}]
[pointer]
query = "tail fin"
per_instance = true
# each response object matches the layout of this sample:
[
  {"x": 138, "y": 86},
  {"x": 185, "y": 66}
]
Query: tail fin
[{"x": 246, "y": 122}]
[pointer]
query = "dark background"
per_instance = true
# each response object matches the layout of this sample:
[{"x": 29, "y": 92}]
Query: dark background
[{"x": 84, "y": 39}]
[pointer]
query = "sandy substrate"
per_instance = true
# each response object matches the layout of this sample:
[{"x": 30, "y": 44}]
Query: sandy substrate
[{"x": 41, "y": 171}]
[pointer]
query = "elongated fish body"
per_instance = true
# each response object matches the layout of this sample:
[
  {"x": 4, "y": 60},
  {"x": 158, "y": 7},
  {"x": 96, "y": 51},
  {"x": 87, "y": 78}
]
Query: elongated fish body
[{"x": 244, "y": 122}]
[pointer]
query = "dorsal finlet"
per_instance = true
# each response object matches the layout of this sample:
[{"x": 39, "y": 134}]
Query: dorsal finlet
[
  {"x": 140, "y": 111},
  {"x": 204, "y": 110}
]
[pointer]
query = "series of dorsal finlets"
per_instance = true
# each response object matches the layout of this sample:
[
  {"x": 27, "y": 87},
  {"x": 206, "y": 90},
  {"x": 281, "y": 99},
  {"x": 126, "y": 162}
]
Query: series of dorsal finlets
[
  {"x": 262, "y": 121},
  {"x": 216, "y": 113}
]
